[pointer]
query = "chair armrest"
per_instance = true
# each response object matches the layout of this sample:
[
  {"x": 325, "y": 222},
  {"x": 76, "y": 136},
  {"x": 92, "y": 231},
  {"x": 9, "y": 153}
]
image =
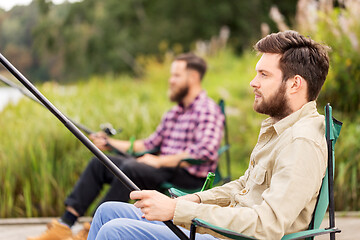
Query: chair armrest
[
  {"x": 223, "y": 149},
  {"x": 309, "y": 233},
  {"x": 193, "y": 161},
  {"x": 174, "y": 192},
  {"x": 150, "y": 151},
  {"x": 235, "y": 235},
  {"x": 223, "y": 231}
]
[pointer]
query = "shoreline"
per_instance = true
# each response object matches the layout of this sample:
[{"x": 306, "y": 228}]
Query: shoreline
[{"x": 8, "y": 96}]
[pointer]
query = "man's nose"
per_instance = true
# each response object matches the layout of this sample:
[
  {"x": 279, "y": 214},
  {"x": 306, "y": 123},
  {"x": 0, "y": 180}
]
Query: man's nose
[
  {"x": 254, "y": 83},
  {"x": 171, "y": 81}
]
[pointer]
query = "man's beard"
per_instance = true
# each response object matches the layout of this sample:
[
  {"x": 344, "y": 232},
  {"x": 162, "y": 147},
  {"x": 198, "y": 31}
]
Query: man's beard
[
  {"x": 179, "y": 94},
  {"x": 276, "y": 106}
]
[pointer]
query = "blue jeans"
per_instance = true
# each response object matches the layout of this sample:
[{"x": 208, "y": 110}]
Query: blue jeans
[{"x": 118, "y": 220}]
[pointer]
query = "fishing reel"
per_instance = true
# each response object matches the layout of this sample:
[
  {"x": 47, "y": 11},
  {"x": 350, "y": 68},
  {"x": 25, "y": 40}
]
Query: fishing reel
[{"x": 109, "y": 129}]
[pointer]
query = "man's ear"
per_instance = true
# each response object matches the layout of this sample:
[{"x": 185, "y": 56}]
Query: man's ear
[
  {"x": 296, "y": 84},
  {"x": 194, "y": 75}
]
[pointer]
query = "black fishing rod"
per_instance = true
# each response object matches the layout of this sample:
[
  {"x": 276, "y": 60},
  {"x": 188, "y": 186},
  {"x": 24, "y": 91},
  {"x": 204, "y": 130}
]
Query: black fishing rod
[{"x": 79, "y": 135}]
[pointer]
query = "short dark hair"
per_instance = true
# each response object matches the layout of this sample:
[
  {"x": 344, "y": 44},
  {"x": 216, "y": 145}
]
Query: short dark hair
[
  {"x": 193, "y": 62},
  {"x": 300, "y": 56}
]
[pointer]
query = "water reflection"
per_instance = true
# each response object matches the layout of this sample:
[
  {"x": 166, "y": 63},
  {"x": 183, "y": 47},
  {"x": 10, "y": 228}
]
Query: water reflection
[{"x": 8, "y": 95}]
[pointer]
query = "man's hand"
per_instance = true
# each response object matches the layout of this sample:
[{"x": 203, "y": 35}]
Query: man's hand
[
  {"x": 155, "y": 206},
  {"x": 150, "y": 160},
  {"x": 100, "y": 139}
]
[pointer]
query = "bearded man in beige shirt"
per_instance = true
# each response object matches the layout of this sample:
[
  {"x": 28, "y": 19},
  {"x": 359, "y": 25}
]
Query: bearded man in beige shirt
[{"x": 278, "y": 192}]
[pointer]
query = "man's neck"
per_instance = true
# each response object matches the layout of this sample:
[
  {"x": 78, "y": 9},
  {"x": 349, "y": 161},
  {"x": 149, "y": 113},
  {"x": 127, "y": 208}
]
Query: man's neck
[
  {"x": 295, "y": 106},
  {"x": 190, "y": 97}
]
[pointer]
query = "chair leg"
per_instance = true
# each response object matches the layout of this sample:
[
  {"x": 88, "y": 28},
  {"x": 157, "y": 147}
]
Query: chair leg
[
  {"x": 332, "y": 236},
  {"x": 192, "y": 232}
]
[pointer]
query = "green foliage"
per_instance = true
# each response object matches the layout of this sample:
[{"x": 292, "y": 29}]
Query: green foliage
[
  {"x": 340, "y": 29},
  {"x": 76, "y": 40},
  {"x": 41, "y": 160},
  {"x": 347, "y": 176}
]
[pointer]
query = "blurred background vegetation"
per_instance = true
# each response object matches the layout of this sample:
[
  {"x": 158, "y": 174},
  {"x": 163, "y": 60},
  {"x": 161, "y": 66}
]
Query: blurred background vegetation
[
  {"x": 108, "y": 61},
  {"x": 77, "y": 40}
]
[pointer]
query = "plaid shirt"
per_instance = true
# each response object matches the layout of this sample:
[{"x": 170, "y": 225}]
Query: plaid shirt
[{"x": 196, "y": 129}]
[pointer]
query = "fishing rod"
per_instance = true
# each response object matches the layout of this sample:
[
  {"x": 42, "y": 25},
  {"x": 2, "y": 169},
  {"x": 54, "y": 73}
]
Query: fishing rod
[
  {"x": 79, "y": 135},
  {"x": 106, "y": 127}
]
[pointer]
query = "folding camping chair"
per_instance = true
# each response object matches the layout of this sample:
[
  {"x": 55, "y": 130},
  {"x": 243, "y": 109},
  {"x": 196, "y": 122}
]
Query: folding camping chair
[
  {"x": 325, "y": 198},
  {"x": 212, "y": 178}
]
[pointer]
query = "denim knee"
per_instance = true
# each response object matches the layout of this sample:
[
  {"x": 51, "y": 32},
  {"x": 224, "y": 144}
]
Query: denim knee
[
  {"x": 114, "y": 229},
  {"x": 105, "y": 210},
  {"x": 104, "y": 207}
]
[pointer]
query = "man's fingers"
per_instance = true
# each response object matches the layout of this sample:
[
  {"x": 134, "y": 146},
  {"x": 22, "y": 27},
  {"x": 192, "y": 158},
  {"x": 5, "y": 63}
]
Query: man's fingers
[
  {"x": 135, "y": 195},
  {"x": 138, "y": 204}
]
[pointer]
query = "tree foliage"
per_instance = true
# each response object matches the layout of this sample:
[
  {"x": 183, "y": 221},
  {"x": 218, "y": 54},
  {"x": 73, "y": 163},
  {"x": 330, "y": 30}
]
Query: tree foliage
[{"x": 101, "y": 36}]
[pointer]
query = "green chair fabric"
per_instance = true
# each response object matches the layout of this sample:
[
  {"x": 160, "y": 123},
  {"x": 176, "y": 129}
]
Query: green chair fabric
[{"x": 325, "y": 197}]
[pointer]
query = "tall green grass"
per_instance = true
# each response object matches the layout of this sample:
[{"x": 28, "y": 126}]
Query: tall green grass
[{"x": 40, "y": 160}]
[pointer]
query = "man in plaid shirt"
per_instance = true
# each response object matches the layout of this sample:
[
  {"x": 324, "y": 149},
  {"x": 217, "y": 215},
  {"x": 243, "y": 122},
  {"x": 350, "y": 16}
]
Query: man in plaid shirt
[
  {"x": 191, "y": 129},
  {"x": 188, "y": 131}
]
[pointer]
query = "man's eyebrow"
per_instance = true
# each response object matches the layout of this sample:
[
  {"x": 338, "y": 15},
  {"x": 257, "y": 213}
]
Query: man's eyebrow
[{"x": 263, "y": 70}]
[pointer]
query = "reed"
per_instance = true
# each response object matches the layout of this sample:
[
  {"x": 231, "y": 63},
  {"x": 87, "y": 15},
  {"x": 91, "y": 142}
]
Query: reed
[{"x": 337, "y": 23}]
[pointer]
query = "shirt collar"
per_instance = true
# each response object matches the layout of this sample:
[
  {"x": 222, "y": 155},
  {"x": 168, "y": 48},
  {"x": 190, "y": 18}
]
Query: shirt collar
[
  {"x": 202, "y": 95},
  {"x": 290, "y": 120}
]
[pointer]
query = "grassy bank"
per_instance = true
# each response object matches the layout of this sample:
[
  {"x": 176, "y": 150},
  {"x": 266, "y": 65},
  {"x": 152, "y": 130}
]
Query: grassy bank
[{"x": 40, "y": 160}]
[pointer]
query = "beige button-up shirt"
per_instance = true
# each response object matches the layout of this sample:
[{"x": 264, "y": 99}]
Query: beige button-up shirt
[{"x": 278, "y": 192}]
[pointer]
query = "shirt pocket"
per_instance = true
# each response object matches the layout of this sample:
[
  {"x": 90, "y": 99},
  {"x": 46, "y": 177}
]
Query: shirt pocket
[{"x": 258, "y": 175}]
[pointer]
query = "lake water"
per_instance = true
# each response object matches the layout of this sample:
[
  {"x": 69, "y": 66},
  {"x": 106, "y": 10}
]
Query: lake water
[{"x": 9, "y": 95}]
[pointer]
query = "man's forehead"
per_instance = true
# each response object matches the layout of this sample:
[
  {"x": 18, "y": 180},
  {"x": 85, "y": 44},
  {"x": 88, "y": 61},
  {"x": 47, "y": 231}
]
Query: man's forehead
[
  {"x": 268, "y": 62},
  {"x": 179, "y": 64}
]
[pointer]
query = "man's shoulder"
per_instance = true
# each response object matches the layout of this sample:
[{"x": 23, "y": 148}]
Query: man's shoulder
[
  {"x": 171, "y": 113},
  {"x": 311, "y": 128},
  {"x": 208, "y": 105}
]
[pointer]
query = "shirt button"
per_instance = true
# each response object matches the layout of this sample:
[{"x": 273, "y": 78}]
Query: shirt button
[{"x": 244, "y": 191}]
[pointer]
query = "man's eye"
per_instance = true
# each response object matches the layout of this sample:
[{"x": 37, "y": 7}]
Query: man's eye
[{"x": 263, "y": 74}]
